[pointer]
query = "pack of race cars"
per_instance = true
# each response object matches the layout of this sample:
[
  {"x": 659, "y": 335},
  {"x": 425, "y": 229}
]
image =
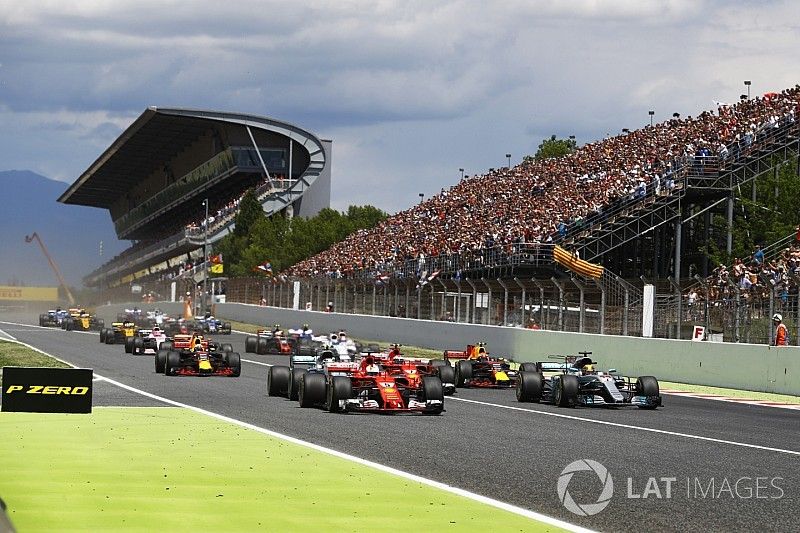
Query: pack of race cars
[{"x": 337, "y": 374}]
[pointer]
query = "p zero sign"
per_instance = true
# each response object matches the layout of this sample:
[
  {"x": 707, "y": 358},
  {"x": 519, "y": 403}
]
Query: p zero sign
[{"x": 47, "y": 390}]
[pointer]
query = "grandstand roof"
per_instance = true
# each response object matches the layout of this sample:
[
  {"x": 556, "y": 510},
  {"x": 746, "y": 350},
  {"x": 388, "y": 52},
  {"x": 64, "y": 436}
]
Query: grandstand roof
[{"x": 153, "y": 138}]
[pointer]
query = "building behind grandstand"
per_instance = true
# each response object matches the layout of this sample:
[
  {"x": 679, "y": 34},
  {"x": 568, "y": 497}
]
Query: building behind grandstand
[{"x": 156, "y": 176}]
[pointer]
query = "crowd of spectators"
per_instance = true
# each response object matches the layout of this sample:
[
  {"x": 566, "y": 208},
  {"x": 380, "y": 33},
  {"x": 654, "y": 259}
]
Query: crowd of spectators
[
  {"x": 754, "y": 277},
  {"x": 540, "y": 200},
  {"x": 222, "y": 212}
]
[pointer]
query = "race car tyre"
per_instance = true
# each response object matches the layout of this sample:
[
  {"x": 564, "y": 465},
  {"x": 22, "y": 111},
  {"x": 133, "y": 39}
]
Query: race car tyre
[
  {"x": 250, "y": 344},
  {"x": 647, "y": 386},
  {"x": 173, "y": 363},
  {"x": 447, "y": 374},
  {"x": 64, "y": 323},
  {"x": 100, "y": 323},
  {"x": 529, "y": 387},
  {"x": 339, "y": 388},
  {"x": 312, "y": 390},
  {"x": 294, "y": 382},
  {"x": 161, "y": 361},
  {"x": 138, "y": 346},
  {"x": 374, "y": 348},
  {"x": 69, "y": 325},
  {"x": 234, "y": 362},
  {"x": 261, "y": 347},
  {"x": 42, "y": 319},
  {"x": 226, "y": 328},
  {"x": 566, "y": 391},
  {"x": 110, "y": 336},
  {"x": 226, "y": 347},
  {"x": 463, "y": 373},
  {"x": 102, "y": 336},
  {"x": 167, "y": 345},
  {"x": 433, "y": 391},
  {"x": 439, "y": 362},
  {"x": 278, "y": 380},
  {"x": 129, "y": 344},
  {"x": 530, "y": 367}
]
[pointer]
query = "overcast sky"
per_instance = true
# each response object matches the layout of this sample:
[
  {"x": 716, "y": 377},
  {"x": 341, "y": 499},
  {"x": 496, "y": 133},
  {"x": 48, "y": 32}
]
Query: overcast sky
[{"x": 409, "y": 91}]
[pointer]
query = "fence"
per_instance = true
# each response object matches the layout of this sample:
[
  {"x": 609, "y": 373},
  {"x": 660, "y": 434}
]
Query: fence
[{"x": 608, "y": 306}]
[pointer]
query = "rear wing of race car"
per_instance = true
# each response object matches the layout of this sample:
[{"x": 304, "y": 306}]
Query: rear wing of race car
[
  {"x": 334, "y": 367},
  {"x": 455, "y": 354}
]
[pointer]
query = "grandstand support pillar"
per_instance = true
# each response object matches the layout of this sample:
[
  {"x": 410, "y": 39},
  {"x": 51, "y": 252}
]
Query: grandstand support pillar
[
  {"x": 374, "y": 294},
  {"x": 327, "y": 291},
  {"x": 522, "y": 313},
  {"x": 602, "y": 307},
  {"x": 771, "y": 314},
  {"x": 433, "y": 305},
  {"x": 581, "y": 308},
  {"x": 729, "y": 242},
  {"x": 678, "y": 315},
  {"x": 458, "y": 301},
  {"x": 488, "y": 302},
  {"x": 541, "y": 303},
  {"x": 408, "y": 298},
  {"x": 474, "y": 303},
  {"x": 419, "y": 302},
  {"x": 678, "y": 235},
  {"x": 505, "y": 301},
  {"x": 335, "y": 295},
  {"x": 560, "y": 287},
  {"x": 736, "y": 309},
  {"x": 384, "y": 304},
  {"x": 625, "y": 305},
  {"x": 444, "y": 298}
]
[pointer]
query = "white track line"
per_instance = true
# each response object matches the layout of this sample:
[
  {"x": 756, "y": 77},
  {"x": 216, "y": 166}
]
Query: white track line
[
  {"x": 7, "y": 336},
  {"x": 365, "y": 462},
  {"x": 627, "y": 426}
]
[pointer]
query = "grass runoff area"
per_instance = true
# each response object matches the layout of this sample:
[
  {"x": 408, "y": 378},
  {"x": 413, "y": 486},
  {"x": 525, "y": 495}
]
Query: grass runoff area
[
  {"x": 415, "y": 351},
  {"x": 172, "y": 469},
  {"x": 13, "y": 354}
]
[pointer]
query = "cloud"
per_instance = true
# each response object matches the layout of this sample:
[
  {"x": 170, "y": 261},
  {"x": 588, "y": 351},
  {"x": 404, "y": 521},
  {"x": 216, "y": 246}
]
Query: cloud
[{"x": 408, "y": 90}]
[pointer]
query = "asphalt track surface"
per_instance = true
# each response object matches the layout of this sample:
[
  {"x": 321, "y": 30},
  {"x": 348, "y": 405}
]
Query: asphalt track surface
[{"x": 735, "y": 467}]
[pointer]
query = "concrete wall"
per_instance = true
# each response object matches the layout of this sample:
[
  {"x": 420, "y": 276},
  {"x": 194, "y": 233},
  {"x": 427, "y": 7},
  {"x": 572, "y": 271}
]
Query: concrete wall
[{"x": 740, "y": 366}]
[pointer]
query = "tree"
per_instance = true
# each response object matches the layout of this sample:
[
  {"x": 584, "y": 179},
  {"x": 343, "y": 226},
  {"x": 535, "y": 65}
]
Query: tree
[
  {"x": 553, "y": 147},
  {"x": 250, "y": 211},
  {"x": 770, "y": 218},
  {"x": 285, "y": 242}
]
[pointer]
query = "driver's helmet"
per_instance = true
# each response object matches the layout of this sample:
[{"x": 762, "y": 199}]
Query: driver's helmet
[
  {"x": 198, "y": 345},
  {"x": 58, "y": 309},
  {"x": 156, "y": 330},
  {"x": 588, "y": 369},
  {"x": 777, "y": 317}
]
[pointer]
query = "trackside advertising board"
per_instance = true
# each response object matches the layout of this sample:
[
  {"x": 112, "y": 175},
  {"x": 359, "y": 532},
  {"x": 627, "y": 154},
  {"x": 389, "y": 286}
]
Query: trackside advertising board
[{"x": 47, "y": 390}]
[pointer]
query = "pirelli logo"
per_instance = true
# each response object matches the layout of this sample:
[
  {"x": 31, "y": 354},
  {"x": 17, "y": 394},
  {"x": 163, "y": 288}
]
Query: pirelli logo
[{"x": 47, "y": 390}]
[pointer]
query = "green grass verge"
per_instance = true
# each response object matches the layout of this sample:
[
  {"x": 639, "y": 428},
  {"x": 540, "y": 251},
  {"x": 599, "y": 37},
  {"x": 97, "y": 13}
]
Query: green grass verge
[
  {"x": 732, "y": 393},
  {"x": 13, "y": 354},
  {"x": 171, "y": 469}
]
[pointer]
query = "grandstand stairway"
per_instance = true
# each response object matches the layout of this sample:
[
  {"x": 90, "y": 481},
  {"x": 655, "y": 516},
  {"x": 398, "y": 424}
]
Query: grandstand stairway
[{"x": 703, "y": 185}]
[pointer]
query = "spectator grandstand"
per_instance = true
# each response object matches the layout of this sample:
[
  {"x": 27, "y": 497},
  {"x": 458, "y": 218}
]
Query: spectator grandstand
[
  {"x": 156, "y": 177},
  {"x": 550, "y": 200}
]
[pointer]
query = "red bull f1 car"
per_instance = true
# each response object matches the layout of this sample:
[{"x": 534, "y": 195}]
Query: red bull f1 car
[
  {"x": 576, "y": 382},
  {"x": 197, "y": 356},
  {"x": 474, "y": 367}
]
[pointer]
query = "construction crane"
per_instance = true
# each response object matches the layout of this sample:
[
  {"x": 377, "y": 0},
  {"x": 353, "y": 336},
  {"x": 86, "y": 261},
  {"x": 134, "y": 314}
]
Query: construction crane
[{"x": 30, "y": 239}]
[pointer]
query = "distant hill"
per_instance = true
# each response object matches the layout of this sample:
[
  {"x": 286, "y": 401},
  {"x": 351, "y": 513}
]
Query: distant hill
[{"x": 72, "y": 234}]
